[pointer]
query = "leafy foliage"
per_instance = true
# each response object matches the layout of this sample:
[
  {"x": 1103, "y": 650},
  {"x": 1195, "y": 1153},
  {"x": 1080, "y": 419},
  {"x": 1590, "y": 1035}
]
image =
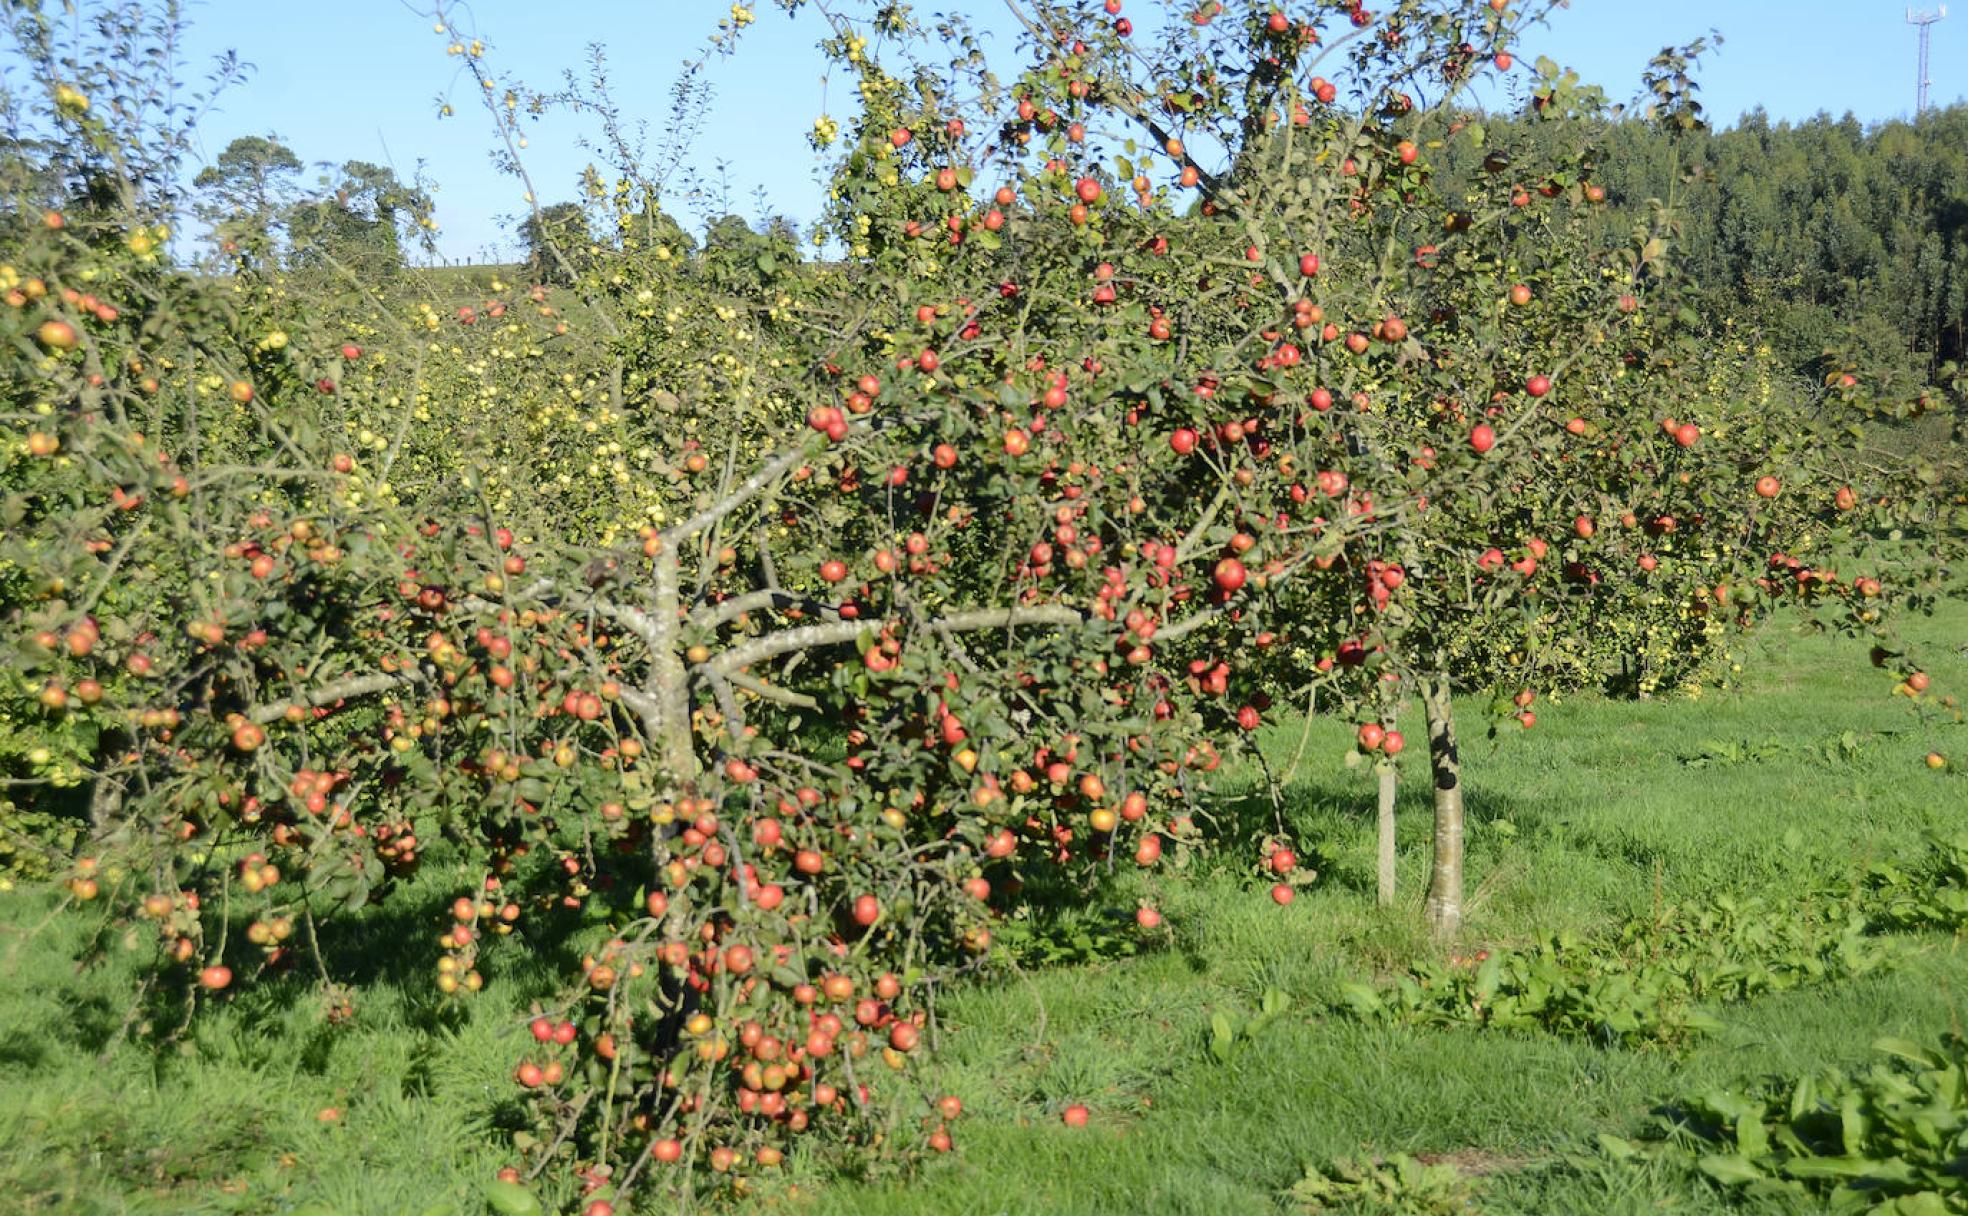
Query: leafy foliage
[
  {"x": 1229, "y": 1034},
  {"x": 1929, "y": 894},
  {"x": 1399, "y": 1183},
  {"x": 1843, "y": 748},
  {"x": 1888, "y": 1140},
  {"x": 1646, "y": 981}
]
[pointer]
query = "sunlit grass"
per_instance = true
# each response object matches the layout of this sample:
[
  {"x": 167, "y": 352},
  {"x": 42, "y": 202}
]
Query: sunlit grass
[{"x": 1598, "y": 813}]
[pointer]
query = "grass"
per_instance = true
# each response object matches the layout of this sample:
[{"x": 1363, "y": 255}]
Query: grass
[{"x": 1603, "y": 810}]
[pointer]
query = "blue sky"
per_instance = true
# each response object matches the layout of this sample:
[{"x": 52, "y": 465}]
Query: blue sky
[{"x": 365, "y": 81}]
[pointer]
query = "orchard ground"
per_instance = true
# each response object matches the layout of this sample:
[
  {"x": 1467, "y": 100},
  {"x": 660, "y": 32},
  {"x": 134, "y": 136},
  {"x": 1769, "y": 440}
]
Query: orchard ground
[{"x": 1606, "y": 807}]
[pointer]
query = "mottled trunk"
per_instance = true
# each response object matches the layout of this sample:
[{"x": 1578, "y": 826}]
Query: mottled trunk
[
  {"x": 1385, "y": 842},
  {"x": 668, "y": 681},
  {"x": 1444, "y": 908}
]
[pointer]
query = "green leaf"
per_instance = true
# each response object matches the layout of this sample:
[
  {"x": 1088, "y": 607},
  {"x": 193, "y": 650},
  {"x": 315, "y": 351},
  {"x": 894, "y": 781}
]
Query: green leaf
[
  {"x": 1926, "y": 1203},
  {"x": 358, "y": 894},
  {"x": 1223, "y": 1037},
  {"x": 1752, "y": 1140},
  {"x": 1913, "y": 1053},
  {"x": 1701, "y": 1023},
  {"x": 1729, "y": 1170},
  {"x": 1892, "y": 1169},
  {"x": 1616, "y": 1148},
  {"x": 1852, "y": 1123},
  {"x": 532, "y": 790},
  {"x": 1731, "y": 1106},
  {"x": 1363, "y": 999},
  {"x": 511, "y": 1199}
]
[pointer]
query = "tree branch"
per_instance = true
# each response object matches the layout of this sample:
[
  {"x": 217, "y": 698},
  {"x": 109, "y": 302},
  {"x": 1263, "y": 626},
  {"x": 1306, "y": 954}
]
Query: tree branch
[
  {"x": 725, "y": 611},
  {"x": 771, "y": 692},
  {"x": 808, "y": 637},
  {"x": 634, "y": 620},
  {"x": 744, "y": 492},
  {"x": 1187, "y": 625},
  {"x": 328, "y": 694}
]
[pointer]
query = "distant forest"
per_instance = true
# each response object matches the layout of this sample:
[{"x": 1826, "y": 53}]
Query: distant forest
[{"x": 1845, "y": 245}]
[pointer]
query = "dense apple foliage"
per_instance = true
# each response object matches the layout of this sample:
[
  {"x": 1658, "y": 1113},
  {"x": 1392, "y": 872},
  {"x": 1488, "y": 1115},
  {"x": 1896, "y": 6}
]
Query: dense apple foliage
[{"x": 756, "y": 637}]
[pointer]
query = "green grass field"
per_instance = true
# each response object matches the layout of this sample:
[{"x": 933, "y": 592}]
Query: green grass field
[{"x": 1808, "y": 773}]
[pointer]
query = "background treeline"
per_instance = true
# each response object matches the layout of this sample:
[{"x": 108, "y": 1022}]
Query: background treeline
[{"x": 1845, "y": 244}]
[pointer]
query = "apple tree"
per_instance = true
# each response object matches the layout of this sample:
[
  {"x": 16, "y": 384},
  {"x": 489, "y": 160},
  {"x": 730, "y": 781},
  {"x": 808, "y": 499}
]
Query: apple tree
[{"x": 754, "y": 635}]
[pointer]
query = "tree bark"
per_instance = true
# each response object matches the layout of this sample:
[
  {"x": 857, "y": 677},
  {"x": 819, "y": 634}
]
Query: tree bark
[
  {"x": 328, "y": 694},
  {"x": 1444, "y": 909},
  {"x": 668, "y": 685},
  {"x": 1385, "y": 841}
]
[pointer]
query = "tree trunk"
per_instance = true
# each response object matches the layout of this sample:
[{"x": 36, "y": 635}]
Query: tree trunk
[
  {"x": 1445, "y": 876},
  {"x": 668, "y": 681},
  {"x": 1386, "y": 837}
]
